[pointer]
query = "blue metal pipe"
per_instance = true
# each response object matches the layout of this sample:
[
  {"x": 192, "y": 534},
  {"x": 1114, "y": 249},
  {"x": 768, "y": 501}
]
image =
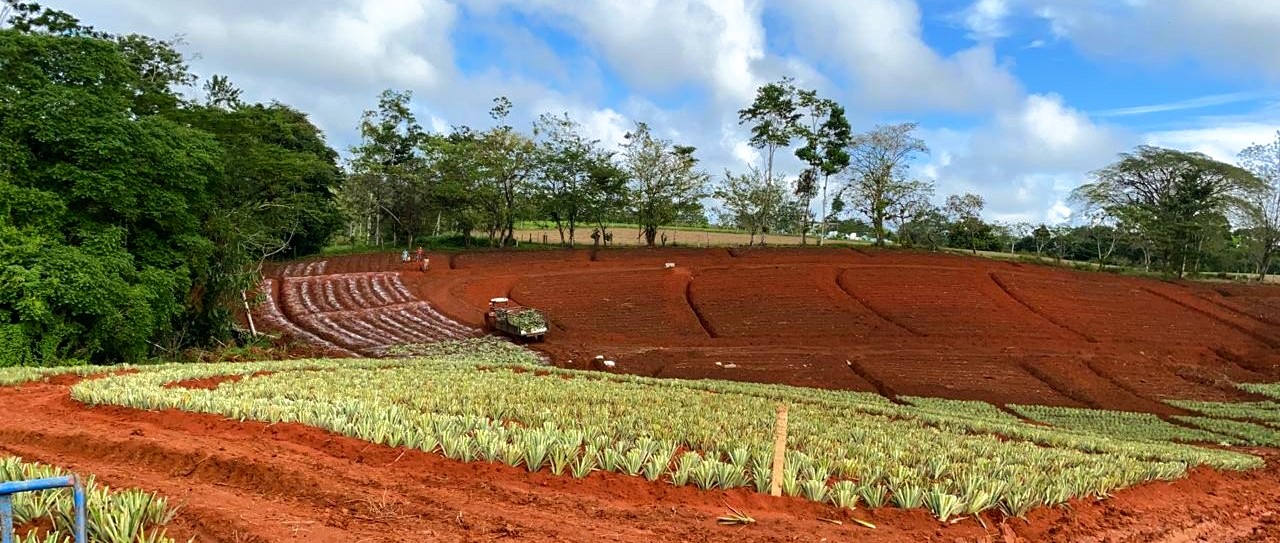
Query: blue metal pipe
[
  {"x": 6, "y": 519},
  {"x": 35, "y": 485}
]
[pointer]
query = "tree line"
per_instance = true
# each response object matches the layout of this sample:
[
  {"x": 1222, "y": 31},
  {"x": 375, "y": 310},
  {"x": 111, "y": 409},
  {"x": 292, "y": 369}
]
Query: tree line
[
  {"x": 138, "y": 204},
  {"x": 135, "y": 219}
]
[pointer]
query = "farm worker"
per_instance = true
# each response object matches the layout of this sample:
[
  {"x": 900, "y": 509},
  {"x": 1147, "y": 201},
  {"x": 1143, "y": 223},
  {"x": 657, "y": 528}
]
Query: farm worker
[
  {"x": 425, "y": 263},
  {"x": 418, "y": 255},
  {"x": 404, "y": 255}
]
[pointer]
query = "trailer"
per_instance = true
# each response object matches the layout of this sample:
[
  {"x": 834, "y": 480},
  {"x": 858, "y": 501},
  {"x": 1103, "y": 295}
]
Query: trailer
[{"x": 515, "y": 320}]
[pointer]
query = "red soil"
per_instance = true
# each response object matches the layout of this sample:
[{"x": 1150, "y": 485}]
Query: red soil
[
  {"x": 901, "y": 323},
  {"x": 254, "y": 482}
]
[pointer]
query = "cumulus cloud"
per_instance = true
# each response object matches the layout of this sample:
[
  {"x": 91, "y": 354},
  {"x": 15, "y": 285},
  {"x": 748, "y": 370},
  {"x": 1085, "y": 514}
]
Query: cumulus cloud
[
  {"x": 1222, "y": 142},
  {"x": 985, "y": 19},
  {"x": 1239, "y": 35},
  {"x": 659, "y": 45},
  {"x": 1027, "y": 159},
  {"x": 880, "y": 45}
]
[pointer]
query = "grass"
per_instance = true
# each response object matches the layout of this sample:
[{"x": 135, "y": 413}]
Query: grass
[{"x": 482, "y": 400}]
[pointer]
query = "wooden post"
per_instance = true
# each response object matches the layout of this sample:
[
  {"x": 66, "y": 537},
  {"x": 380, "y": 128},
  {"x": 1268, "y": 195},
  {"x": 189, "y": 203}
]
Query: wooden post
[
  {"x": 248, "y": 314},
  {"x": 779, "y": 450}
]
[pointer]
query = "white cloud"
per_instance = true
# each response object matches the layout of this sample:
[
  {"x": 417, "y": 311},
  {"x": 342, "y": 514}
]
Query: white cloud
[
  {"x": 660, "y": 45},
  {"x": 1027, "y": 159},
  {"x": 1191, "y": 103},
  {"x": 1222, "y": 142},
  {"x": 880, "y": 45},
  {"x": 985, "y": 19},
  {"x": 1224, "y": 35}
]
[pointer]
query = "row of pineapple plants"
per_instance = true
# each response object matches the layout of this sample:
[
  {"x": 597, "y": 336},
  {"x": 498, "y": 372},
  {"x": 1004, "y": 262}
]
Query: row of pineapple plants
[
  {"x": 477, "y": 401},
  {"x": 112, "y": 516}
]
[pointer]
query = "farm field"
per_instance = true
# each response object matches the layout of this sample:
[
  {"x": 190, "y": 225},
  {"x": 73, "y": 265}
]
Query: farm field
[
  {"x": 896, "y": 323},
  {"x": 477, "y": 440},
  {"x": 939, "y": 397}
]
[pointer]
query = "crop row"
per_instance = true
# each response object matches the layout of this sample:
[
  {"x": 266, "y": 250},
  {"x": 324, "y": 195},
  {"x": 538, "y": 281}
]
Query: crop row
[
  {"x": 311, "y": 267},
  {"x": 113, "y": 516},
  {"x": 478, "y": 401},
  {"x": 270, "y": 317},
  {"x": 1123, "y": 424},
  {"x": 343, "y": 292}
]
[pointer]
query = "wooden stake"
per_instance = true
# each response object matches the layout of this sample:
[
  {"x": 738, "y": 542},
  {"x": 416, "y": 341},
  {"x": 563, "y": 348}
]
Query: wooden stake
[{"x": 779, "y": 450}]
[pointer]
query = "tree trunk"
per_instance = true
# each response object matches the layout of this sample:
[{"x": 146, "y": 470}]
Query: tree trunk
[
  {"x": 650, "y": 235},
  {"x": 822, "y": 232}
]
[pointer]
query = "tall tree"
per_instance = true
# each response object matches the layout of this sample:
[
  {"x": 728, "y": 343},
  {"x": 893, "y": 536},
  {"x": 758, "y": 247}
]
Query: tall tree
[
  {"x": 879, "y": 160},
  {"x": 664, "y": 180},
  {"x": 826, "y": 135},
  {"x": 386, "y": 177},
  {"x": 508, "y": 163},
  {"x": 220, "y": 93},
  {"x": 773, "y": 120},
  {"x": 1171, "y": 196},
  {"x": 965, "y": 211},
  {"x": 568, "y": 164},
  {"x": 1261, "y": 218},
  {"x": 751, "y": 203}
]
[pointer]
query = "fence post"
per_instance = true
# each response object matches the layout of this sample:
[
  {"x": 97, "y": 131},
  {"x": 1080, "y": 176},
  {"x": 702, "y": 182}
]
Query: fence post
[{"x": 779, "y": 450}]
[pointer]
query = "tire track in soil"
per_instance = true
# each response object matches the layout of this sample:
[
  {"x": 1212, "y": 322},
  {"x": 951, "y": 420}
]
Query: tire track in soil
[
  {"x": 688, "y": 298},
  {"x": 1092, "y": 365},
  {"x": 863, "y": 303},
  {"x": 1044, "y": 315},
  {"x": 1262, "y": 319},
  {"x": 1270, "y": 342},
  {"x": 881, "y": 387}
]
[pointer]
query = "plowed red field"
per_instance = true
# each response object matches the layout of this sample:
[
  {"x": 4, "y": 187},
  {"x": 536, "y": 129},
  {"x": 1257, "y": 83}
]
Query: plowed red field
[{"x": 899, "y": 323}]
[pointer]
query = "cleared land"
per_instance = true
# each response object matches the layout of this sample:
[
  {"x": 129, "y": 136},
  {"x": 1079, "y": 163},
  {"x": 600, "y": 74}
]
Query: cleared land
[{"x": 892, "y": 322}]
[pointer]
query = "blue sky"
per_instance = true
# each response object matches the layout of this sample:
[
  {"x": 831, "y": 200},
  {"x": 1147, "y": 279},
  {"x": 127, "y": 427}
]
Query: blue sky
[{"x": 1018, "y": 99}]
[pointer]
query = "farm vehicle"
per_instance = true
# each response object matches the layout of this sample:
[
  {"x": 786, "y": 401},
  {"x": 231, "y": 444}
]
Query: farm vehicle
[{"x": 515, "y": 320}]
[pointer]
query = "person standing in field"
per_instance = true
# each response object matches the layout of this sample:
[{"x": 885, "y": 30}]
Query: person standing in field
[
  {"x": 418, "y": 255},
  {"x": 404, "y": 256}
]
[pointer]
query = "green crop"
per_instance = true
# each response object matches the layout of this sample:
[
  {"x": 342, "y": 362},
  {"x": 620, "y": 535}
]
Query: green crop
[
  {"x": 113, "y": 516},
  {"x": 482, "y": 400}
]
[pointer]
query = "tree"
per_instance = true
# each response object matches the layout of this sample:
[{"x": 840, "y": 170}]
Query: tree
[
  {"x": 220, "y": 93},
  {"x": 774, "y": 119},
  {"x": 1261, "y": 218},
  {"x": 1170, "y": 196},
  {"x": 567, "y": 165},
  {"x": 1041, "y": 236},
  {"x": 385, "y": 179},
  {"x": 965, "y": 211},
  {"x": 508, "y": 162},
  {"x": 663, "y": 179},
  {"x": 752, "y": 204},
  {"x": 878, "y": 163},
  {"x": 927, "y": 228},
  {"x": 824, "y": 150}
]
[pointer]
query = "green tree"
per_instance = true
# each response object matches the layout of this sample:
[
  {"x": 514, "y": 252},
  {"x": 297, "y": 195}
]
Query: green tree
[
  {"x": 508, "y": 164},
  {"x": 1171, "y": 196},
  {"x": 774, "y": 119},
  {"x": 664, "y": 180},
  {"x": 386, "y": 180},
  {"x": 103, "y": 206},
  {"x": 571, "y": 170},
  {"x": 879, "y": 160},
  {"x": 1261, "y": 218},
  {"x": 826, "y": 136},
  {"x": 751, "y": 204},
  {"x": 965, "y": 212}
]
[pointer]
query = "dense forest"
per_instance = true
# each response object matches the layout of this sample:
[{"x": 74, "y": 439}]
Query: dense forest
[
  {"x": 138, "y": 203},
  {"x": 132, "y": 218}
]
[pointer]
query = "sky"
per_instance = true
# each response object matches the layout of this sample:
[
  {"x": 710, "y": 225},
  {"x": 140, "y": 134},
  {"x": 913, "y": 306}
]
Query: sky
[{"x": 1018, "y": 100}]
